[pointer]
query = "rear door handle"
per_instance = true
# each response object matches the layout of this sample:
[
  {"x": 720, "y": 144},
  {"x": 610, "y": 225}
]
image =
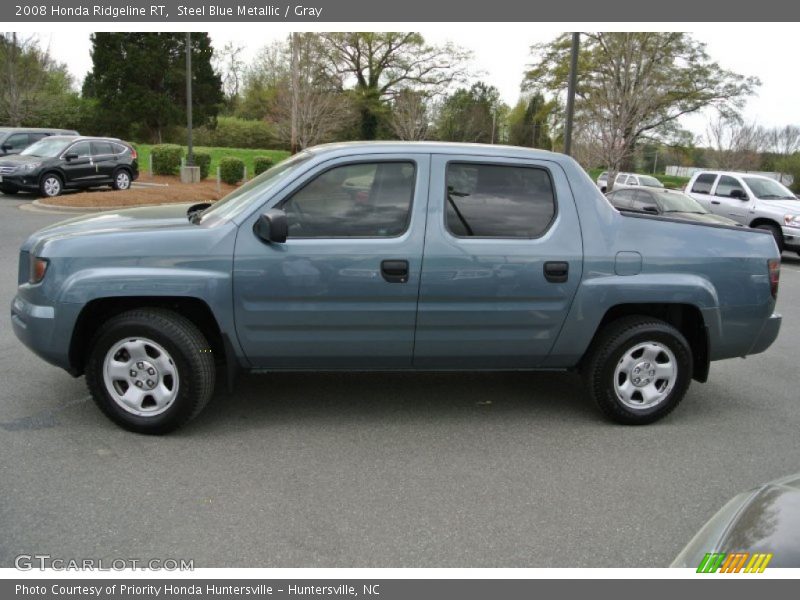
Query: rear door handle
[
  {"x": 395, "y": 271},
  {"x": 715, "y": 202},
  {"x": 556, "y": 271}
]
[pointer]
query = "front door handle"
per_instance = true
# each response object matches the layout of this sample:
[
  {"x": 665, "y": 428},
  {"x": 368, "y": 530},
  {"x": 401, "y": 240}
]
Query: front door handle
[
  {"x": 715, "y": 202},
  {"x": 556, "y": 271},
  {"x": 395, "y": 271}
]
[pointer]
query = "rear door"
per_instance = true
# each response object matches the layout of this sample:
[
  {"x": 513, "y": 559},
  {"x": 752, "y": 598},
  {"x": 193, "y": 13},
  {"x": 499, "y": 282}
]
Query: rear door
[
  {"x": 503, "y": 258},
  {"x": 341, "y": 292},
  {"x": 701, "y": 189},
  {"x": 105, "y": 160}
]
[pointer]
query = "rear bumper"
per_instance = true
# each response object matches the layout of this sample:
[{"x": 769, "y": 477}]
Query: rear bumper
[{"x": 769, "y": 334}]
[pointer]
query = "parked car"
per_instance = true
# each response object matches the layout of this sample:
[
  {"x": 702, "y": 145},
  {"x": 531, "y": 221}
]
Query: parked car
[
  {"x": 14, "y": 140},
  {"x": 761, "y": 521},
  {"x": 625, "y": 180},
  {"x": 526, "y": 267},
  {"x": 752, "y": 200},
  {"x": 668, "y": 203},
  {"x": 56, "y": 163}
]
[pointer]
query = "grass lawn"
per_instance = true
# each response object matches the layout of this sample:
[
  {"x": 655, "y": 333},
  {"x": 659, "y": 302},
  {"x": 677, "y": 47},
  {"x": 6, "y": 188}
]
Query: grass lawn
[{"x": 246, "y": 154}]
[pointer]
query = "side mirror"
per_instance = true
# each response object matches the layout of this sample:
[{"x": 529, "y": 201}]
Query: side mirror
[
  {"x": 71, "y": 155},
  {"x": 739, "y": 194},
  {"x": 7, "y": 147},
  {"x": 272, "y": 226}
]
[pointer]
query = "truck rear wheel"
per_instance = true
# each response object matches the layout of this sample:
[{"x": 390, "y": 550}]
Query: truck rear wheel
[
  {"x": 150, "y": 370},
  {"x": 638, "y": 369}
]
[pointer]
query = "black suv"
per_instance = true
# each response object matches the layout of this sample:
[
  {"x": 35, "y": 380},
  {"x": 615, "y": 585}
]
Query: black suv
[
  {"x": 14, "y": 140},
  {"x": 69, "y": 162}
]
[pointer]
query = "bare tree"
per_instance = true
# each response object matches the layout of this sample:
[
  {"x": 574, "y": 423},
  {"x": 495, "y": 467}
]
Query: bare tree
[
  {"x": 410, "y": 118},
  {"x": 785, "y": 141},
  {"x": 735, "y": 145},
  {"x": 312, "y": 107},
  {"x": 231, "y": 67}
]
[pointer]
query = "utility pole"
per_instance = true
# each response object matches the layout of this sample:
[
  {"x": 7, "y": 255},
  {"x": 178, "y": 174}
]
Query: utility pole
[
  {"x": 573, "y": 80},
  {"x": 295, "y": 85},
  {"x": 190, "y": 154}
]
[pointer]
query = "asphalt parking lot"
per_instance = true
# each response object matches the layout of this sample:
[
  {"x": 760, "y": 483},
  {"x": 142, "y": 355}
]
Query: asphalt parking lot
[{"x": 384, "y": 470}]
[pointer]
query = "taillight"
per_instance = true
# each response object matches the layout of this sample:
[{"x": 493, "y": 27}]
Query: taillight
[
  {"x": 134, "y": 155},
  {"x": 38, "y": 269},
  {"x": 774, "y": 266}
]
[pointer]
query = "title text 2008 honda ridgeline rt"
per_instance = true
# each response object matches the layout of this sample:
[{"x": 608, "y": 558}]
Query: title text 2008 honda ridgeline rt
[{"x": 394, "y": 256}]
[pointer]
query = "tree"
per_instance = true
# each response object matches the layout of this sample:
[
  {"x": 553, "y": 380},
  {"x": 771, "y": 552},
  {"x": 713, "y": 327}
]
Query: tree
[
  {"x": 735, "y": 145},
  {"x": 636, "y": 84},
  {"x": 231, "y": 68},
  {"x": 34, "y": 89},
  {"x": 139, "y": 79},
  {"x": 527, "y": 122},
  {"x": 410, "y": 115},
  {"x": 382, "y": 64},
  {"x": 469, "y": 115},
  {"x": 309, "y": 105}
]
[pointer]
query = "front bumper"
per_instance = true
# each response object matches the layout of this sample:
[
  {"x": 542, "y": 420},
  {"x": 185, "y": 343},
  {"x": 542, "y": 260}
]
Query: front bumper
[
  {"x": 36, "y": 327},
  {"x": 769, "y": 334},
  {"x": 27, "y": 181},
  {"x": 791, "y": 237}
]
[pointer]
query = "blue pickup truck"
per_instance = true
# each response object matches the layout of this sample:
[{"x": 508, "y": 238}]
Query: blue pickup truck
[{"x": 394, "y": 256}]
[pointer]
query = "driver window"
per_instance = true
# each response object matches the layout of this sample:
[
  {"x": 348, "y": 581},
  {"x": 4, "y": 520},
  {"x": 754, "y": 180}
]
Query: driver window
[
  {"x": 726, "y": 185},
  {"x": 354, "y": 200}
]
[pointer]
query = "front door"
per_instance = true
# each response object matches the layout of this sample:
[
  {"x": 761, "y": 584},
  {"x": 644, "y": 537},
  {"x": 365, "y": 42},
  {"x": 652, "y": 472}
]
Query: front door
[
  {"x": 342, "y": 291},
  {"x": 503, "y": 258},
  {"x": 80, "y": 169},
  {"x": 731, "y": 200}
]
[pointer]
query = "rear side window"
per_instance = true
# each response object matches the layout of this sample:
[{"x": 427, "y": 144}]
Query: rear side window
[
  {"x": 703, "y": 183},
  {"x": 102, "y": 148},
  {"x": 498, "y": 201},
  {"x": 355, "y": 200},
  {"x": 119, "y": 148},
  {"x": 622, "y": 199}
]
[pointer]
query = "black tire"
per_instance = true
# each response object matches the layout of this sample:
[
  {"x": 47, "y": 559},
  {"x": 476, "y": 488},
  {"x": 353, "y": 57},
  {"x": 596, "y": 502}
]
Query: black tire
[
  {"x": 190, "y": 356},
  {"x": 51, "y": 185},
  {"x": 776, "y": 233},
  {"x": 116, "y": 182},
  {"x": 616, "y": 340}
]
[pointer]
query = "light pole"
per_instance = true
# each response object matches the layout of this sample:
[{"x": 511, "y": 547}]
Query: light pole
[
  {"x": 190, "y": 153},
  {"x": 573, "y": 79}
]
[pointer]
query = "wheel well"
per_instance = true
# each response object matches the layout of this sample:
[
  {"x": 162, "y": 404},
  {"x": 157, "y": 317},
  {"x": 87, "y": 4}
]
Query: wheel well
[
  {"x": 52, "y": 172},
  {"x": 763, "y": 221},
  {"x": 686, "y": 318},
  {"x": 97, "y": 312}
]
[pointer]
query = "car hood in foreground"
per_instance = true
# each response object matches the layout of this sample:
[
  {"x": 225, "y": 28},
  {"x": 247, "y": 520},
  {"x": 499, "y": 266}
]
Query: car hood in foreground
[
  {"x": 128, "y": 219},
  {"x": 766, "y": 519}
]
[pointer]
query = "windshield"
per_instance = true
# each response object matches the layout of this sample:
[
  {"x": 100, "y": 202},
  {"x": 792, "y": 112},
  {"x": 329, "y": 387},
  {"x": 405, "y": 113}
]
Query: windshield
[
  {"x": 240, "y": 197},
  {"x": 650, "y": 181},
  {"x": 679, "y": 202},
  {"x": 46, "y": 148},
  {"x": 768, "y": 189}
]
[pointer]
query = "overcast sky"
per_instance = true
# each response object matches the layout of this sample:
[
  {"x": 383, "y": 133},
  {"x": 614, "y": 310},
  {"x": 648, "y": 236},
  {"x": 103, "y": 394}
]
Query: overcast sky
[{"x": 502, "y": 51}]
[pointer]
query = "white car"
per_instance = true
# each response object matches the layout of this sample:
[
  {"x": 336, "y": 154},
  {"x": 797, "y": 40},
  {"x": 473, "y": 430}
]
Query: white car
[
  {"x": 628, "y": 180},
  {"x": 752, "y": 200}
]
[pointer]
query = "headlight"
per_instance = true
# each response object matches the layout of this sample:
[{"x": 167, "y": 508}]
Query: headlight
[
  {"x": 38, "y": 269},
  {"x": 791, "y": 220},
  {"x": 28, "y": 167}
]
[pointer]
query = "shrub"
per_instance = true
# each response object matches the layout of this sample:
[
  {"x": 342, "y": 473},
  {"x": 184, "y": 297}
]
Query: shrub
[
  {"x": 166, "y": 159},
  {"x": 261, "y": 164},
  {"x": 232, "y": 132},
  {"x": 203, "y": 160},
  {"x": 231, "y": 170}
]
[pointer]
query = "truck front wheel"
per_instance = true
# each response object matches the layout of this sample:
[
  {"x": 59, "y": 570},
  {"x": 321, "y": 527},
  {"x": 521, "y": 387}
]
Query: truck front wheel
[
  {"x": 638, "y": 369},
  {"x": 150, "y": 370}
]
